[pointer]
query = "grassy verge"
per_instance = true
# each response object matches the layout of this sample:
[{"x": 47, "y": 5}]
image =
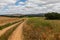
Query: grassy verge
[
  {"x": 37, "y": 28},
  {"x": 7, "y": 25},
  {"x": 6, "y": 35}
]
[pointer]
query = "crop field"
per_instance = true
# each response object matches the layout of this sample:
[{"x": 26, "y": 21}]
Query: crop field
[
  {"x": 38, "y": 28},
  {"x": 5, "y": 20}
]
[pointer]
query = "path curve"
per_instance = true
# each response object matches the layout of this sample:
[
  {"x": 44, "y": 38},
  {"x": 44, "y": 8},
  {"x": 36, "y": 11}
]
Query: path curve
[
  {"x": 4, "y": 30},
  {"x": 17, "y": 34}
]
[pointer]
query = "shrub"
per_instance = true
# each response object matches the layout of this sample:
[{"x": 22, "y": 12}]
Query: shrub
[{"x": 52, "y": 15}]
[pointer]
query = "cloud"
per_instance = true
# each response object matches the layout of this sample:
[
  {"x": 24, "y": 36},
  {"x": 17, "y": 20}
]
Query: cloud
[
  {"x": 29, "y": 6},
  {"x": 3, "y": 3},
  {"x": 7, "y": 1}
]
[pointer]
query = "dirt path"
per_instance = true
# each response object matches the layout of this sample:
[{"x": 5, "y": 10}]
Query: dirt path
[
  {"x": 17, "y": 34},
  {"x": 4, "y": 30}
]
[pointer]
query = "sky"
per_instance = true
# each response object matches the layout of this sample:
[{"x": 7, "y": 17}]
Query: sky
[{"x": 29, "y": 6}]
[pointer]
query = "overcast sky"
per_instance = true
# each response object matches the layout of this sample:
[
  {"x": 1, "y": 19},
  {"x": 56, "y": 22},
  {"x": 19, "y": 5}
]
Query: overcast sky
[{"x": 29, "y": 6}]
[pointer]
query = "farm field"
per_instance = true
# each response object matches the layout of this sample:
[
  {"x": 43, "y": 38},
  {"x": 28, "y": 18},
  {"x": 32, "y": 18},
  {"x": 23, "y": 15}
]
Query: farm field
[
  {"x": 38, "y": 28},
  {"x": 5, "y": 20},
  {"x": 31, "y": 28}
]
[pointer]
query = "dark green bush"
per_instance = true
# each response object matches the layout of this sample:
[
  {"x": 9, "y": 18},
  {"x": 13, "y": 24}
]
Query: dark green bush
[{"x": 52, "y": 15}]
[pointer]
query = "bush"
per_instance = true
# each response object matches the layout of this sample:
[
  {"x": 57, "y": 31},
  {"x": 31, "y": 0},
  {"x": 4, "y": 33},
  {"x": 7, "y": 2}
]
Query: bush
[{"x": 52, "y": 15}]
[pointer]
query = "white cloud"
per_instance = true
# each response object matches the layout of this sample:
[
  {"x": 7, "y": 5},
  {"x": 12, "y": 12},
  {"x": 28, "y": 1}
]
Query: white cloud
[
  {"x": 3, "y": 3},
  {"x": 7, "y": 1},
  {"x": 31, "y": 6},
  {"x": 21, "y": 3}
]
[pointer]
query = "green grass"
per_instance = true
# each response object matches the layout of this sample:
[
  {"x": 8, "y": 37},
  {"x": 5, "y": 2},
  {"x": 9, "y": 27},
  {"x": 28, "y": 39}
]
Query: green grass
[{"x": 38, "y": 22}]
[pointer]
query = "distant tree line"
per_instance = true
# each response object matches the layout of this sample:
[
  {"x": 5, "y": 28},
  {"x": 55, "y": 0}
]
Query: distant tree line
[
  {"x": 49, "y": 15},
  {"x": 52, "y": 15},
  {"x": 27, "y": 15},
  {"x": 33, "y": 15}
]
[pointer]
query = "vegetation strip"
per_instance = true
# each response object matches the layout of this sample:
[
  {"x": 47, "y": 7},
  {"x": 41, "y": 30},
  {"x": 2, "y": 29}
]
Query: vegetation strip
[
  {"x": 6, "y": 25},
  {"x": 8, "y": 33}
]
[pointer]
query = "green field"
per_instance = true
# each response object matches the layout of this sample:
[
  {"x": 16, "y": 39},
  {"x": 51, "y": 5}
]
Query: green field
[{"x": 38, "y": 28}]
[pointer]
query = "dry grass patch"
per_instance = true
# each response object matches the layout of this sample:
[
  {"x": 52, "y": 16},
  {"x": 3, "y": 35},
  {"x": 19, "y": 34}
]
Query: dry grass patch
[
  {"x": 5, "y": 20},
  {"x": 37, "y": 28}
]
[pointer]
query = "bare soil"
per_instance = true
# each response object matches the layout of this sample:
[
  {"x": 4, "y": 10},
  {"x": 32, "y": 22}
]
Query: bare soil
[
  {"x": 4, "y": 30},
  {"x": 17, "y": 34}
]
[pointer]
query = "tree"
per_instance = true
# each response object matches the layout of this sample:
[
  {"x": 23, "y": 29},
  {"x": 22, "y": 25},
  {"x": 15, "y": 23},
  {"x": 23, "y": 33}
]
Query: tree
[{"x": 52, "y": 15}]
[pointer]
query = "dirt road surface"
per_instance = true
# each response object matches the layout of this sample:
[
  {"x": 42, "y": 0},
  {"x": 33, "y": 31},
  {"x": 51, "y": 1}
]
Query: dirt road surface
[
  {"x": 4, "y": 30},
  {"x": 17, "y": 34}
]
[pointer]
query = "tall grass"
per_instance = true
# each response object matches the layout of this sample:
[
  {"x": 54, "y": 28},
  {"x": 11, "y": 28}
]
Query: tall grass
[
  {"x": 38, "y": 22},
  {"x": 37, "y": 28}
]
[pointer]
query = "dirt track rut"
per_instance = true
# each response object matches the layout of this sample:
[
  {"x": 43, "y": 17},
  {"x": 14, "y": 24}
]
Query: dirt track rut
[
  {"x": 4, "y": 30},
  {"x": 17, "y": 34}
]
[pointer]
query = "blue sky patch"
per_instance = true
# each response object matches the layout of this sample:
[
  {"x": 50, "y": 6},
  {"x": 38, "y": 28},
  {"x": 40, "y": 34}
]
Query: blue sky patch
[{"x": 17, "y": 2}]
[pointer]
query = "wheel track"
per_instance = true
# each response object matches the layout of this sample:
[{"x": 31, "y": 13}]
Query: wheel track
[
  {"x": 6, "y": 30},
  {"x": 17, "y": 34}
]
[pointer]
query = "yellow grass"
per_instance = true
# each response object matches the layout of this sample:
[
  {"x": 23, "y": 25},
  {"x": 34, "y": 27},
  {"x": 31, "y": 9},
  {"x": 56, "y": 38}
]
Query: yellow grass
[
  {"x": 5, "y": 20},
  {"x": 37, "y": 28}
]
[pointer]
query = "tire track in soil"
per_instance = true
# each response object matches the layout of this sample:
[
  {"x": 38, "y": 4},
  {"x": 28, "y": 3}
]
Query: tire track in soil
[{"x": 17, "y": 34}]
